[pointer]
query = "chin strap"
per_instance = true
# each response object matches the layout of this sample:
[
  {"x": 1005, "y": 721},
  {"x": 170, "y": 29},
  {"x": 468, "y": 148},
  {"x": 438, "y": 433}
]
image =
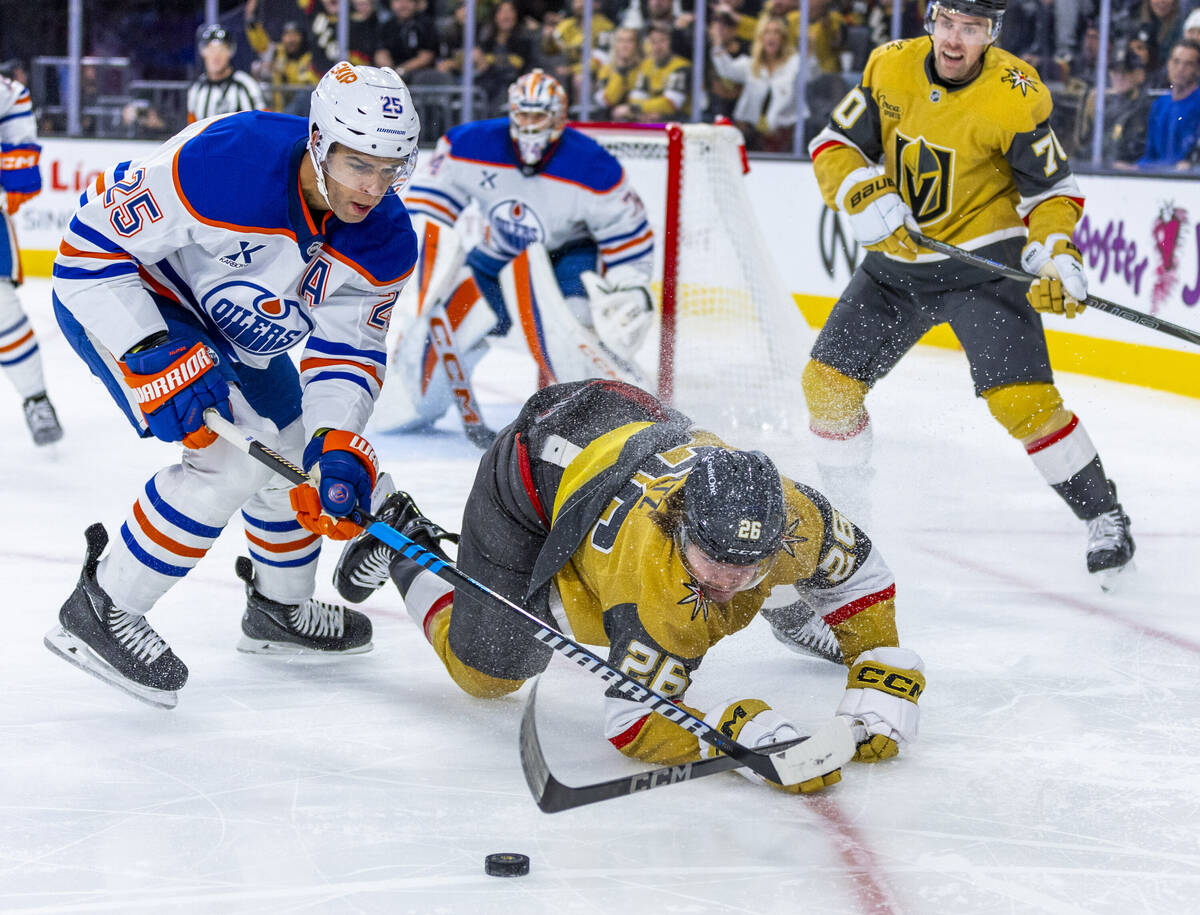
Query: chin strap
[{"x": 320, "y": 172}]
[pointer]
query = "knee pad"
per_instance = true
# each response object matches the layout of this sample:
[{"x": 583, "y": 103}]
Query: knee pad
[
  {"x": 1028, "y": 410},
  {"x": 835, "y": 401}
]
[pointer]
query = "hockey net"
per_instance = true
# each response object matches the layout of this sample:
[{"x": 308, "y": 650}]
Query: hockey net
[{"x": 733, "y": 340}]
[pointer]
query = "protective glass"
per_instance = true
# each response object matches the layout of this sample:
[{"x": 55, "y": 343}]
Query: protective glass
[
  {"x": 946, "y": 23},
  {"x": 712, "y": 574},
  {"x": 365, "y": 174}
]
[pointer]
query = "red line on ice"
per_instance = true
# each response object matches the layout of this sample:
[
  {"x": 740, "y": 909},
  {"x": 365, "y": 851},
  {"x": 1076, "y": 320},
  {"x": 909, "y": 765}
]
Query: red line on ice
[{"x": 1074, "y": 603}]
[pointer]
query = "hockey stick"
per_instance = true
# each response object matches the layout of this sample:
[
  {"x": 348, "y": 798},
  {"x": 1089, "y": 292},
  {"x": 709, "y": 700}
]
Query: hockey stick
[
  {"x": 552, "y": 796},
  {"x": 784, "y": 767},
  {"x": 441, "y": 335},
  {"x": 1092, "y": 301},
  {"x": 446, "y": 350}
]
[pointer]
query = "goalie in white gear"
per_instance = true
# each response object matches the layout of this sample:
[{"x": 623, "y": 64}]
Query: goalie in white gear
[{"x": 566, "y": 250}]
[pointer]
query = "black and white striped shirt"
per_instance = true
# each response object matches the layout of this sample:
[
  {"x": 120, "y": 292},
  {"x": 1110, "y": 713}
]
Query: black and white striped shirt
[{"x": 239, "y": 91}]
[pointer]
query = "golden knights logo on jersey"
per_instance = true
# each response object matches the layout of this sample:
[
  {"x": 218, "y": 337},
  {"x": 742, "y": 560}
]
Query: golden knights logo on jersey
[{"x": 925, "y": 176}]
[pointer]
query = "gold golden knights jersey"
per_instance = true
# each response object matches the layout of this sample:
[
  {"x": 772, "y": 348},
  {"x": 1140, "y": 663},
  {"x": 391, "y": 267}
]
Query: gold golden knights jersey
[
  {"x": 977, "y": 163},
  {"x": 661, "y": 90},
  {"x": 625, "y": 586}
]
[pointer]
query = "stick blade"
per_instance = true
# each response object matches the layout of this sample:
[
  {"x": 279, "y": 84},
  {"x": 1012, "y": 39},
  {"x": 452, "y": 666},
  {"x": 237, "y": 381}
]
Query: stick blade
[{"x": 548, "y": 793}]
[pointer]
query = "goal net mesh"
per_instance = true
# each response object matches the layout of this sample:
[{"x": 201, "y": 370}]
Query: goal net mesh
[{"x": 739, "y": 339}]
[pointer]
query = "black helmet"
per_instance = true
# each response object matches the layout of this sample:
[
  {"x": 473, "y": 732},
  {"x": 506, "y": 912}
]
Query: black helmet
[
  {"x": 992, "y": 10},
  {"x": 214, "y": 32},
  {"x": 733, "y": 506}
]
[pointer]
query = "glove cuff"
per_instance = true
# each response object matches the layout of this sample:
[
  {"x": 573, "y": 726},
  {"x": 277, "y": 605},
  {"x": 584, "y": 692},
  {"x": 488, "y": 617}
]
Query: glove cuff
[
  {"x": 343, "y": 441},
  {"x": 894, "y": 671},
  {"x": 151, "y": 391}
]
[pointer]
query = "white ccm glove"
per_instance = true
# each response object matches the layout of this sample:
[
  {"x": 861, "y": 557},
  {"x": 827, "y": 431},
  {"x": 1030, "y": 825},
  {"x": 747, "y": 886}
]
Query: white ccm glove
[
  {"x": 881, "y": 698},
  {"x": 1062, "y": 284},
  {"x": 753, "y": 723},
  {"x": 622, "y": 307}
]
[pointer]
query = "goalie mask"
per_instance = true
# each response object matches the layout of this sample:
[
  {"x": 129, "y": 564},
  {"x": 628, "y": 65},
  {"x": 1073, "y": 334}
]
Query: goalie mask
[
  {"x": 367, "y": 110},
  {"x": 537, "y": 111},
  {"x": 991, "y": 10},
  {"x": 733, "y": 517}
]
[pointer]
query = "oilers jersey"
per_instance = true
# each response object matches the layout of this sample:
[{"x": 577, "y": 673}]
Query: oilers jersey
[
  {"x": 580, "y": 193},
  {"x": 214, "y": 222}
]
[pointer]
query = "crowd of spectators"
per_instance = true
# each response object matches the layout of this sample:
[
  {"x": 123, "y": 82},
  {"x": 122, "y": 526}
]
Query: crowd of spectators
[{"x": 641, "y": 62}]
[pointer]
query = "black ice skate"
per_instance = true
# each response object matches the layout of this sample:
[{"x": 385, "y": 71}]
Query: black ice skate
[
  {"x": 803, "y": 631},
  {"x": 309, "y": 627},
  {"x": 363, "y": 566},
  {"x": 117, "y": 647},
  {"x": 41, "y": 419},
  {"x": 1110, "y": 546}
]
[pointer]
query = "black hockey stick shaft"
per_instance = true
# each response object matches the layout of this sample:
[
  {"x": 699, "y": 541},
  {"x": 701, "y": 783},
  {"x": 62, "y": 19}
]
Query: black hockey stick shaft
[
  {"x": 553, "y": 796},
  {"x": 1092, "y": 301},
  {"x": 628, "y": 687}
]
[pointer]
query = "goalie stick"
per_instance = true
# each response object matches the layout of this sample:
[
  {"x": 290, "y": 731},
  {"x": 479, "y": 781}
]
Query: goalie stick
[
  {"x": 785, "y": 767},
  {"x": 434, "y": 322},
  {"x": 1092, "y": 301}
]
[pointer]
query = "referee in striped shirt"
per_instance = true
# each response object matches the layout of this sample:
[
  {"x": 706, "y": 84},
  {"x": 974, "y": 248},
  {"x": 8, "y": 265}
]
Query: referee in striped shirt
[{"x": 220, "y": 89}]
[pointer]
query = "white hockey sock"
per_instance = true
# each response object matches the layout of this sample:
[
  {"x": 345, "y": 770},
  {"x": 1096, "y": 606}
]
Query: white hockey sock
[
  {"x": 1062, "y": 454},
  {"x": 425, "y": 598},
  {"x": 19, "y": 354}
]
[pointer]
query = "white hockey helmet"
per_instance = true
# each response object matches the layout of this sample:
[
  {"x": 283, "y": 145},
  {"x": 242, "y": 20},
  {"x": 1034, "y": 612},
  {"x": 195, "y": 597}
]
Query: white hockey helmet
[
  {"x": 367, "y": 109},
  {"x": 537, "y": 112}
]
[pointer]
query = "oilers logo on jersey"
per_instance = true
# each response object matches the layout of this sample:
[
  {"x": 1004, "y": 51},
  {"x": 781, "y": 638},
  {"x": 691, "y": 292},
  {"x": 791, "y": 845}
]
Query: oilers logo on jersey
[
  {"x": 254, "y": 319},
  {"x": 514, "y": 226}
]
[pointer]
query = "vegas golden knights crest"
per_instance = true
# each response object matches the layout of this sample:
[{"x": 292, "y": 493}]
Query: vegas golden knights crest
[{"x": 925, "y": 176}]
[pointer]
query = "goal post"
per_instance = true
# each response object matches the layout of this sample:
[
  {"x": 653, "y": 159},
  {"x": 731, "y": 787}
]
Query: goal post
[{"x": 732, "y": 341}]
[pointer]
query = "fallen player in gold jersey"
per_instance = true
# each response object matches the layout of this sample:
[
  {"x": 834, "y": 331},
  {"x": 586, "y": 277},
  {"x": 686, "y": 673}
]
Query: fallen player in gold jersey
[{"x": 611, "y": 518}]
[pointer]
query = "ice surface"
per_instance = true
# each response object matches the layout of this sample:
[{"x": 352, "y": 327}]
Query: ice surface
[{"x": 1056, "y": 770}]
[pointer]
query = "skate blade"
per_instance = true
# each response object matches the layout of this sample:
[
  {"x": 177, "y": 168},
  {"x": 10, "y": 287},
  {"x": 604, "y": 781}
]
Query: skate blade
[
  {"x": 1122, "y": 578},
  {"x": 77, "y": 653},
  {"x": 248, "y": 645}
]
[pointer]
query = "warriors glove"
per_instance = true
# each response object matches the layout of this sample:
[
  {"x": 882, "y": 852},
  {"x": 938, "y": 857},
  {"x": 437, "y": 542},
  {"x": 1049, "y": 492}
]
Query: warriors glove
[
  {"x": 881, "y": 697},
  {"x": 755, "y": 724},
  {"x": 174, "y": 382},
  {"x": 622, "y": 307},
  {"x": 1062, "y": 284},
  {"x": 878, "y": 214},
  {"x": 346, "y": 472}
]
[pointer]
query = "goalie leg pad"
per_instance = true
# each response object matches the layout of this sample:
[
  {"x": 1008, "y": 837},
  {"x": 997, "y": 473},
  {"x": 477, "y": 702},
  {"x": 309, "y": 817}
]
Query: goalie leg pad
[
  {"x": 562, "y": 347},
  {"x": 425, "y": 380}
]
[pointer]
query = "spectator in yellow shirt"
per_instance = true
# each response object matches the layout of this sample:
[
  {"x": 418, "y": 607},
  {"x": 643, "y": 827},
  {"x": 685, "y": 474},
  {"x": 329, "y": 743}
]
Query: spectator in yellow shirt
[{"x": 661, "y": 88}]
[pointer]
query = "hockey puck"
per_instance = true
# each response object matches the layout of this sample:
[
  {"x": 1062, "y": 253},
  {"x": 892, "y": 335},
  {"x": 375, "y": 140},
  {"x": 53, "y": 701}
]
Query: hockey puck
[{"x": 506, "y": 864}]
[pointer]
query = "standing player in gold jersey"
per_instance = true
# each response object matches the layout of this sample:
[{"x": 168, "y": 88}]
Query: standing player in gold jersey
[
  {"x": 951, "y": 135},
  {"x": 612, "y": 519}
]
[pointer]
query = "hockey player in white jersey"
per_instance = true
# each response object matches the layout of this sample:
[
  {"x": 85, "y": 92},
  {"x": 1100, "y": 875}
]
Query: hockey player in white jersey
[
  {"x": 566, "y": 252},
  {"x": 20, "y": 180},
  {"x": 183, "y": 281}
]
